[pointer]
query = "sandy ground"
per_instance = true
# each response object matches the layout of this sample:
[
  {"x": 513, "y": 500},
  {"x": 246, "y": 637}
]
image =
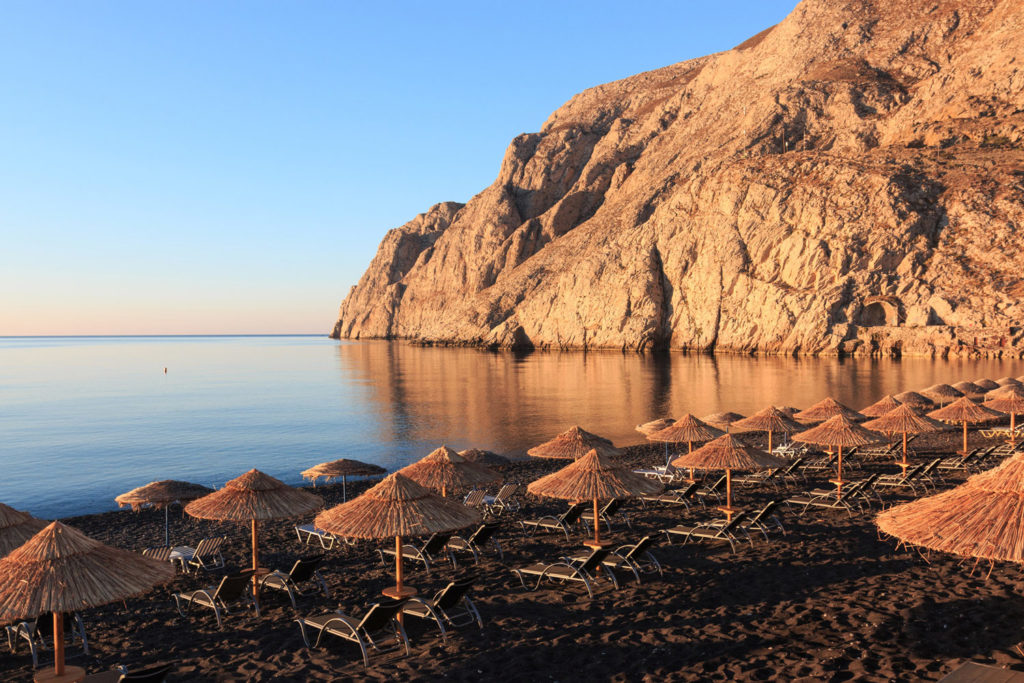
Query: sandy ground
[{"x": 828, "y": 601}]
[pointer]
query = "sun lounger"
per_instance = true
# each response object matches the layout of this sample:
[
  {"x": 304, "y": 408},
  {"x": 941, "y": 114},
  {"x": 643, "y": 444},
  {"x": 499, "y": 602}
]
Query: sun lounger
[
  {"x": 764, "y": 520},
  {"x": 710, "y": 531},
  {"x": 714, "y": 491},
  {"x": 673, "y": 497},
  {"x": 36, "y": 631},
  {"x": 770, "y": 477},
  {"x": 906, "y": 480},
  {"x": 450, "y": 605},
  {"x": 153, "y": 674},
  {"x": 960, "y": 462},
  {"x": 562, "y": 522},
  {"x": 476, "y": 542},
  {"x": 377, "y": 626},
  {"x": 635, "y": 557},
  {"x": 504, "y": 501},
  {"x": 425, "y": 554},
  {"x": 308, "y": 533},
  {"x": 474, "y": 498},
  {"x": 205, "y": 556},
  {"x": 567, "y": 570},
  {"x": 304, "y": 570},
  {"x": 232, "y": 588},
  {"x": 852, "y": 498}
]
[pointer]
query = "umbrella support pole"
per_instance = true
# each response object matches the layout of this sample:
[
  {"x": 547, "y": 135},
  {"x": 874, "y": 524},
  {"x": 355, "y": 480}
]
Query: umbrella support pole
[
  {"x": 728, "y": 509},
  {"x": 689, "y": 446},
  {"x": 58, "y": 644},
  {"x": 167, "y": 533},
  {"x": 965, "y": 437},
  {"x": 1013, "y": 429},
  {"x": 769, "y": 441},
  {"x": 904, "y": 464},
  {"x": 255, "y": 560},
  {"x": 597, "y": 542},
  {"x": 838, "y": 481},
  {"x": 344, "y": 489}
]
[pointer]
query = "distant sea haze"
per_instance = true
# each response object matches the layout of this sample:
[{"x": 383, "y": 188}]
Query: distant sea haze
[{"x": 83, "y": 419}]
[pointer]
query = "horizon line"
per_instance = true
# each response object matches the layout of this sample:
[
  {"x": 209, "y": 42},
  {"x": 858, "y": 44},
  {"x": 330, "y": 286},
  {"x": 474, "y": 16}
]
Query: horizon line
[{"x": 109, "y": 336}]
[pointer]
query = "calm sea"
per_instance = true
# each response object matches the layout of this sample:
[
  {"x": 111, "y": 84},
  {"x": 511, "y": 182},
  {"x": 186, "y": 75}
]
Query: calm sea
[{"x": 84, "y": 419}]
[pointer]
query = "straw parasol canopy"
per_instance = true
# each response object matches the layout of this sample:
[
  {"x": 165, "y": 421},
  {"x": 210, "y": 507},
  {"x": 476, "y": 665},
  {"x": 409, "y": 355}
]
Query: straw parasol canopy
[
  {"x": 986, "y": 384},
  {"x": 1010, "y": 400},
  {"x": 593, "y": 477},
  {"x": 770, "y": 420},
  {"x": 398, "y": 507},
  {"x": 254, "y": 497},
  {"x": 839, "y": 431},
  {"x": 982, "y": 518},
  {"x": 486, "y": 458},
  {"x": 882, "y": 406},
  {"x": 965, "y": 411},
  {"x": 688, "y": 429},
  {"x": 342, "y": 468},
  {"x": 648, "y": 428},
  {"x": 969, "y": 388},
  {"x": 16, "y": 527},
  {"x": 722, "y": 420},
  {"x": 914, "y": 399},
  {"x": 443, "y": 468},
  {"x": 60, "y": 570},
  {"x": 825, "y": 409},
  {"x": 161, "y": 494},
  {"x": 942, "y": 393},
  {"x": 728, "y": 453},
  {"x": 1007, "y": 381},
  {"x": 788, "y": 411},
  {"x": 574, "y": 443},
  {"x": 903, "y": 420},
  {"x": 1002, "y": 391}
]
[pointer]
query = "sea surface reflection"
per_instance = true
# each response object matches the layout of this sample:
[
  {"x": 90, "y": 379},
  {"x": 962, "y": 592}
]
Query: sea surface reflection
[{"x": 84, "y": 419}]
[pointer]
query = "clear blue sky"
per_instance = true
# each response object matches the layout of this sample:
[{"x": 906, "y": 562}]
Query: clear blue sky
[{"x": 230, "y": 167}]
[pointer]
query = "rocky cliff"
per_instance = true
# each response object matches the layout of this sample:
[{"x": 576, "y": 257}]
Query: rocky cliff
[{"x": 850, "y": 180}]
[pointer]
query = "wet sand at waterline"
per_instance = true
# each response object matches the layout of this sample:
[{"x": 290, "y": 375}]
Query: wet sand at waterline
[{"x": 829, "y": 601}]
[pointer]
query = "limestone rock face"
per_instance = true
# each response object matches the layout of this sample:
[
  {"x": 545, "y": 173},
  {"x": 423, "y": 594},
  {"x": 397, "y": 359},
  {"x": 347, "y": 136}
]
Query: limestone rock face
[{"x": 848, "y": 181}]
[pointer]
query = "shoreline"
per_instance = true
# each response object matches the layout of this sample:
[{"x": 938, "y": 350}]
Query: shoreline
[{"x": 829, "y": 599}]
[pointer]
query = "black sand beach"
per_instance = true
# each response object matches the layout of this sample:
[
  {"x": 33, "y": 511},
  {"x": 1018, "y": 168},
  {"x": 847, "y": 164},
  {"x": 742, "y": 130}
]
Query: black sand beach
[{"x": 828, "y": 601}]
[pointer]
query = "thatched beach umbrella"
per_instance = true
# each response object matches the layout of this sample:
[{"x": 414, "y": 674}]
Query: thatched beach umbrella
[
  {"x": 882, "y": 406},
  {"x": 903, "y": 420},
  {"x": 827, "y": 408},
  {"x": 942, "y": 393},
  {"x": 965, "y": 411},
  {"x": 981, "y": 518},
  {"x": 788, "y": 411},
  {"x": 648, "y": 428},
  {"x": 770, "y": 420},
  {"x": 343, "y": 468},
  {"x": 728, "y": 453},
  {"x": 162, "y": 494},
  {"x": 1002, "y": 391},
  {"x": 62, "y": 570},
  {"x": 1009, "y": 401},
  {"x": 722, "y": 420},
  {"x": 254, "y": 497},
  {"x": 688, "y": 429},
  {"x": 986, "y": 384},
  {"x": 1008, "y": 381},
  {"x": 16, "y": 527},
  {"x": 594, "y": 477},
  {"x": 573, "y": 444},
  {"x": 969, "y": 389},
  {"x": 443, "y": 468},
  {"x": 839, "y": 431},
  {"x": 397, "y": 507},
  {"x": 485, "y": 458},
  {"x": 914, "y": 399}
]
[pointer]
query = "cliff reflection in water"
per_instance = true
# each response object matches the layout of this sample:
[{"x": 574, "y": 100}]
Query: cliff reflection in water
[{"x": 509, "y": 402}]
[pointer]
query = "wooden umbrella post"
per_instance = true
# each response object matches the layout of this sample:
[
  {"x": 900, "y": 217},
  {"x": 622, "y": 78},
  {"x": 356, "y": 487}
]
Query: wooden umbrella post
[
  {"x": 398, "y": 566},
  {"x": 965, "y": 437},
  {"x": 838, "y": 481},
  {"x": 58, "y": 645},
  {"x": 1013, "y": 428},
  {"x": 769, "y": 441},
  {"x": 728, "y": 509},
  {"x": 904, "y": 463},
  {"x": 255, "y": 560},
  {"x": 597, "y": 525},
  {"x": 167, "y": 533},
  {"x": 689, "y": 445},
  {"x": 344, "y": 488}
]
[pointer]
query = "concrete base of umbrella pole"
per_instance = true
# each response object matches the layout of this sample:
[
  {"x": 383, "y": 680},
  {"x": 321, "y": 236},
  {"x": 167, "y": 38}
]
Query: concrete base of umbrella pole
[
  {"x": 838, "y": 481},
  {"x": 59, "y": 673},
  {"x": 597, "y": 542},
  {"x": 728, "y": 509}
]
